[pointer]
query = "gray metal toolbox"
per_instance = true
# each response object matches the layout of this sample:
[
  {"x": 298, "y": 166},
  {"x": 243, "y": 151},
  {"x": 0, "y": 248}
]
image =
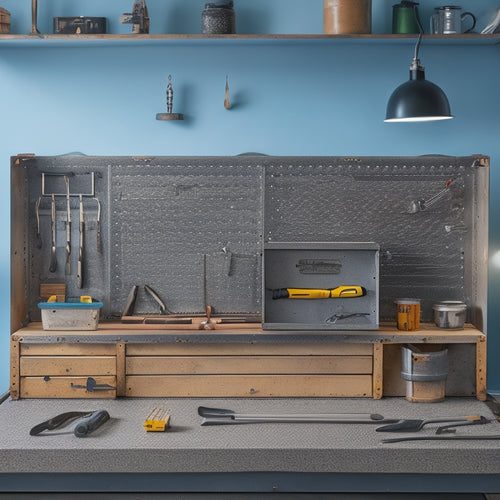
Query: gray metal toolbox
[{"x": 323, "y": 266}]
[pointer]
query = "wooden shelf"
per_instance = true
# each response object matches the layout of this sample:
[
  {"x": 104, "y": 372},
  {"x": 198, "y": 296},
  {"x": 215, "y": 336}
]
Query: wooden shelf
[
  {"x": 116, "y": 331},
  {"x": 45, "y": 40}
]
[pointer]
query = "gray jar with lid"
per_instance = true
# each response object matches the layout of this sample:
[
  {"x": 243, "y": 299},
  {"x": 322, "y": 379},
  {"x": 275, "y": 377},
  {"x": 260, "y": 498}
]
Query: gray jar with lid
[{"x": 218, "y": 18}]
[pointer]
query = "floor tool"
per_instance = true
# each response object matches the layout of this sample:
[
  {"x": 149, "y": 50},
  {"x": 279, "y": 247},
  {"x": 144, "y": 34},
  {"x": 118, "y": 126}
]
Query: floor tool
[
  {"x": 415, "y": 425},
  {"x": 451, "y": 428},
  {"x": 88, "y": 423},
  {"x": 319, "y": 293},
  {"x": 220, "y": 416},
  {"x": 53, "y": 256},
  {"x": 79, "y": 273},
  {"x": 483, "y": 437},
  {"x": 68, "y": 228}
]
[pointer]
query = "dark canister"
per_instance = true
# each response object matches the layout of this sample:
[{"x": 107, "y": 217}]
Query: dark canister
[
  {"x": 218, "y": 18},
  {"x": 404, "y": 18}
]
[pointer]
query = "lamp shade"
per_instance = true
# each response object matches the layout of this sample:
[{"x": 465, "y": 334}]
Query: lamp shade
[{"x": 418, "y": 100}]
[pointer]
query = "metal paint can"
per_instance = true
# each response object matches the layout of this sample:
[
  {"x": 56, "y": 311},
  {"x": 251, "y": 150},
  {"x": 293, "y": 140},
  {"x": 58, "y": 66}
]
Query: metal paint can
[
  {"x": 408, "y": 314},
  {"x": 450, "y": 314}
]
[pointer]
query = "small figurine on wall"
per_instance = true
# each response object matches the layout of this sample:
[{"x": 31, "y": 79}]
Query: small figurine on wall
[
  {"x": 138, "y": 18},
  {"x": 169, "y": 115}
]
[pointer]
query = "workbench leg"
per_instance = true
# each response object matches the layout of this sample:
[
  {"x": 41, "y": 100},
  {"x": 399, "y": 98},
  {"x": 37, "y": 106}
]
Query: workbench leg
[
  {"x": 481, "y": 368},
  {"x": 378, "y": 370},
  {"x": 120, "y": 369},
  {"x": 15, "y": 380}
]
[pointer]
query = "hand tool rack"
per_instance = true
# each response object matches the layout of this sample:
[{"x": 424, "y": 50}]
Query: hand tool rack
[{"x": 194, "y": 229}]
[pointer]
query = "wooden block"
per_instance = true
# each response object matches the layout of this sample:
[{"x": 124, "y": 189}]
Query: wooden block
[
  {"x": 256, "y": 348},
  {"x": 260, "y": 386},
  {"x": 67, "y": 365},
  {"x": 57, "y": 289},
  {"x": 164, "y": 365},
  {"x": 68, "y": 387}
]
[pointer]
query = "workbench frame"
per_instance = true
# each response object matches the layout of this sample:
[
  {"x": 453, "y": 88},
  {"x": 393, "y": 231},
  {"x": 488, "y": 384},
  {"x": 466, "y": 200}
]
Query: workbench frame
[{"x": 241, "y": 362}]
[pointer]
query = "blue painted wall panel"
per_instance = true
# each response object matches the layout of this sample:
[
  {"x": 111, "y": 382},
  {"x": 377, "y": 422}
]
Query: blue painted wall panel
[{"x": 294, "y": 98}]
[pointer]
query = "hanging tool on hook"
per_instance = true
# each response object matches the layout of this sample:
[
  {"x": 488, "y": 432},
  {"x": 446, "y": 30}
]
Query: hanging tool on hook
[
  {"x": 68, "y": 227},
  {"x": 99, "y": 243},
  {"x": 53, "y": 257},
  {"x": 79, "y": 273},
  {"x": 227, "y": 103},
  {"x": 37, "y": 212},
  {"x": 421, "y": 205}
]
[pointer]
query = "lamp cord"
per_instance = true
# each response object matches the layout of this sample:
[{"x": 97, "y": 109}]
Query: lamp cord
[{"x": 416, "y": 62}]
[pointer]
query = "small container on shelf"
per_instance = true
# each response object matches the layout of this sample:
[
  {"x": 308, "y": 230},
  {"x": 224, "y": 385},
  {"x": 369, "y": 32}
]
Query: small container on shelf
[
  {"x": 74, "y": 314},
  {"x": 4, "y": 21}
]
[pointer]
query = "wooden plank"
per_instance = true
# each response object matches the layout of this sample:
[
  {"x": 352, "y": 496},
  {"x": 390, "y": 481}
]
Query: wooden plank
[
  {"x": 14, "y": 367},
  {"x": 259, "y": 386},
  {"x": 234, "y": 349},
  {"x": 378, "y": 370},
  {"x": 165, "y": 365},
  {"x": 67, "y": 365},
  {"x": 394, "y": 385},
  {"x": 18, "y": 247},
  {"x": 481, "y": 393},
  {"x": 120, "y": 369},
  {"x": 67, "y": 387},
  {"x": 60, "y": 349}
]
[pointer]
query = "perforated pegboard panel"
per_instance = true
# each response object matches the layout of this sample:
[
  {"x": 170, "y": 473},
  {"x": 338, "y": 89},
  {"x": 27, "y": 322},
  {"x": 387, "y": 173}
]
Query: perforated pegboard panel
[{"x": 193, "y": 228}]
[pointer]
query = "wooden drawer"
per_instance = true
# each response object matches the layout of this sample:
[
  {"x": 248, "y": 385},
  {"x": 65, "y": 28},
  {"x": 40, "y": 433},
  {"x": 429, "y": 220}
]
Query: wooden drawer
[
  {"x": 68, "y": 387},
  {"x": 67, "y": 370},
  {"x": 260, "y": 386},
  {"x": 249, "y": 370}
]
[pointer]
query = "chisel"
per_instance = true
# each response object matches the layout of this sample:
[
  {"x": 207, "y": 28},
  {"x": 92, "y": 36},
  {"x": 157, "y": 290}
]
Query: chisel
[
  {"x": 53, "y": 257},
  {"x": 319, "y": 293},
  {"x": 79, "y": 273}
]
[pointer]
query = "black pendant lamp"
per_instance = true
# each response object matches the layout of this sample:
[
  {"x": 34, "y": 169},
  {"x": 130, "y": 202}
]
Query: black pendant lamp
[{"x": 418, "y": 100}]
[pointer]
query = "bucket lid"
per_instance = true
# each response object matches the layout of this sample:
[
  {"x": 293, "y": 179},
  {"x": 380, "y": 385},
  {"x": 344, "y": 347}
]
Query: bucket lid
[
  {"x": 450, "y": 305},
  {"x": 407, "y": 301}
]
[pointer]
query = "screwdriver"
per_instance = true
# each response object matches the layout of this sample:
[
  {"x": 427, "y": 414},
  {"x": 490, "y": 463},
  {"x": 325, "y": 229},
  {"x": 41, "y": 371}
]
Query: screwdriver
[{"x": 343, "y": 291}]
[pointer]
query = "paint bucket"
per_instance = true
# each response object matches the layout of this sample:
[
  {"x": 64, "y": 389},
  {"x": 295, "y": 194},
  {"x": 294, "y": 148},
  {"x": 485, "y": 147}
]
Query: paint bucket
[
  {"x": 345, "y": 17},
  {"x": 425, "y": 374}
]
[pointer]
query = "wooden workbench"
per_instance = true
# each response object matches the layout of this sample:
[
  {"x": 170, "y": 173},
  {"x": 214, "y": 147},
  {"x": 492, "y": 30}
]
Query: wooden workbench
[{"x": 231, "y": 361}]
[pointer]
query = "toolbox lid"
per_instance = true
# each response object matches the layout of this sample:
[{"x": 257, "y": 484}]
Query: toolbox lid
[{"x": 70, "y": 305}]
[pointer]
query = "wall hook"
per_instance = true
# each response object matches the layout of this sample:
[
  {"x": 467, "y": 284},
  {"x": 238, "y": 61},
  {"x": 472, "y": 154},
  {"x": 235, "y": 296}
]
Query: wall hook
[
  {"x": 170, "y": 102},
  {"x": 227, "y": 103}
]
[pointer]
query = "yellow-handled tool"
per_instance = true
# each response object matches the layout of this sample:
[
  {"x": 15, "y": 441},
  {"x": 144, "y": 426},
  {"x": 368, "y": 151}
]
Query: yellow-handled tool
[{"x": 343, "y": 291}]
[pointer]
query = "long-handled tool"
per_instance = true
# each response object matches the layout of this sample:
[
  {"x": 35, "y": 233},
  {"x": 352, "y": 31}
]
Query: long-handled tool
[
  {"x": 416, "y": 425},
  {"x": 319, "y": 293},
  {"x": 220, "y": 416},
  {"x": 79, "y": 273},
  {"x": 481, "y": 437},
  {"x": 53, "y": 256},
  {"x": 68, "y": 227}
]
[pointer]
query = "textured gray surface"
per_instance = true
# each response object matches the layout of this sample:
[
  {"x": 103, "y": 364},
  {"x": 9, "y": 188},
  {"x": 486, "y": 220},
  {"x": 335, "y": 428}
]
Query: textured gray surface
[
  {"x": 122, "y": 445},
  {"x": 193, "y": 228}
]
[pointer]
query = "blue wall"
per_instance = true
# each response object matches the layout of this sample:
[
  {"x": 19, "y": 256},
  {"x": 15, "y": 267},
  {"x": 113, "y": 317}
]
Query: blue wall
[{"x": 289, "y": 98}]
